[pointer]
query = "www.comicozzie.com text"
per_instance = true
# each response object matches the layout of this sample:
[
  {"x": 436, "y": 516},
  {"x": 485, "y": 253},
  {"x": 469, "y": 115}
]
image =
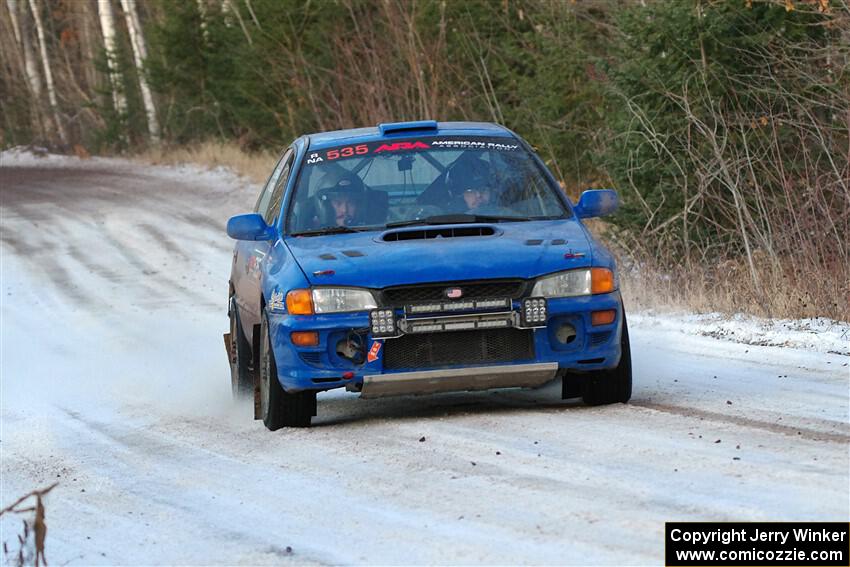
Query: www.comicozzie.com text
[{"x": 743, "y": 534}]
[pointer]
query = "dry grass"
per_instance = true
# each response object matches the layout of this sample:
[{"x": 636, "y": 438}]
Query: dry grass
[
  {"x": 256, "y": 166},
  {"x": 792, "y": 288},
  {"x": 727, "y": 288}
]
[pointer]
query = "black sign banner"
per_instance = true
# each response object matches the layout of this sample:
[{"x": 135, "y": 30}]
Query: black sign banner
[{"x": 694, "y": 544}]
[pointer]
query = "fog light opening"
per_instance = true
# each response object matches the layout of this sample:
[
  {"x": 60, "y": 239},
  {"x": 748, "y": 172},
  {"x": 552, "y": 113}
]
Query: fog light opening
[
  {"x": 352, "y": 348},
  {"x": 566, "y": 334}
]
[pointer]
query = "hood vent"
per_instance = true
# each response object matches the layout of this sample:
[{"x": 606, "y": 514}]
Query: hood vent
[{"x": 429, "y": 233}]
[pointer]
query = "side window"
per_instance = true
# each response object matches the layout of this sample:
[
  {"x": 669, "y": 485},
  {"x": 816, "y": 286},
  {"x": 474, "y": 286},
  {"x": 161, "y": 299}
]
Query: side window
[
  {"x": 273, "y": 209},
  {"x": 266, "y": 194}
]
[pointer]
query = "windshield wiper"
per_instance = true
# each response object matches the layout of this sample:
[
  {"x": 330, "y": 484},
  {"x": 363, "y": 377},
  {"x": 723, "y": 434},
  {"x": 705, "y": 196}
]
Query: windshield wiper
[
  {"x": 501, "y": 218},
  {"x": 455, "y": 219},
  {"x": 331, "y": 230}
]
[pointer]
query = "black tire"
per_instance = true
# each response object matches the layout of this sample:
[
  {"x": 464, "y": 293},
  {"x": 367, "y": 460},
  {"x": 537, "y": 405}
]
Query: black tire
[
  {"x": 614, "y": 385},
  {"x": 241, "y": 376},
  {"x": 278, "y": 408}
]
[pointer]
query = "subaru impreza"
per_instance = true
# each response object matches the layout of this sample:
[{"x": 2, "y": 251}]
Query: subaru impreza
[{"x": 415, "y": 258}]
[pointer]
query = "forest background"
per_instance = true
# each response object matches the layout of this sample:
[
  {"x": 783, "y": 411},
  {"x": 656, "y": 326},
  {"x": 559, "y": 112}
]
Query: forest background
[{"x": 724, "y": 124}]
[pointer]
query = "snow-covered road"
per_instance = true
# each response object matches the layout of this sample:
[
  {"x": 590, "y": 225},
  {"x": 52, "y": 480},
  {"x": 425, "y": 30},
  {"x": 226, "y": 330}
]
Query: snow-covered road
[{"x": 115, "y": 384}]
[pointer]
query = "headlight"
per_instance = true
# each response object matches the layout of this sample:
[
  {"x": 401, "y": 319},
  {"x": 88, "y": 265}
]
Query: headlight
[
  {"x": 339, "y": 299},
  {"x": 328, "y": 300},
  {"x": 575, "y": 282}
]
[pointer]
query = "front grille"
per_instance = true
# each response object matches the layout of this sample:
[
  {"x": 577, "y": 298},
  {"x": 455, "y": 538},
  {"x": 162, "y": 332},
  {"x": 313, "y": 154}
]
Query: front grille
[
  {"x": 599, "y": 338},
  {"x": 404, "y": 295},
  {"x": 433, "y": 350},
  {"x": 314, "y": 358}
]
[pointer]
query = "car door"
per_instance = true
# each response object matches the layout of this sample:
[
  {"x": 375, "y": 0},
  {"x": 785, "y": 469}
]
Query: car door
[
  {"x": 246, "y": 269},
  {"x": 254, "y": 253}
]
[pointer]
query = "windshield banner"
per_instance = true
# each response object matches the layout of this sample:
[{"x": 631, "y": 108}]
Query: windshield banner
[{"x": 412, "y": 145}]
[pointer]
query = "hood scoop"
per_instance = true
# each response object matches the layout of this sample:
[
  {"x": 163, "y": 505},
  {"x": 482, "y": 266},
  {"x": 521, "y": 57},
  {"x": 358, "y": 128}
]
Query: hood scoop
[{"x": 438, "y": 232}]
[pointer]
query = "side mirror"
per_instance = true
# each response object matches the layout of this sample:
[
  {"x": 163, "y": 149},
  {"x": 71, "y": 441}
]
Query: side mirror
[
  {"x": 597, "y": 203},
  {"x": 249, "y": 227}
]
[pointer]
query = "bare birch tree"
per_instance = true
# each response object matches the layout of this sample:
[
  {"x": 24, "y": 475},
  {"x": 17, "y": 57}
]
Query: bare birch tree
[
  {"x": 90, "y": 41},
  {"x": 12, "y": 6},
  {"x": 227, "y": 7},
  {"x": 23, "y": 39},
  {"x": 137, "y": 39},
  {"x": 107, "y": 25},
  {"x": 202, "y": 11},
  {"x": 22, "y": 31},
  {"x": 48, "y": 74}
]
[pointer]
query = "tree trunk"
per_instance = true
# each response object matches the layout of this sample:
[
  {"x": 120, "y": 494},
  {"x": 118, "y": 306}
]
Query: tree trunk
[
  {"x": 22, "y": 32},
  {"x": 48, "y": 74},
  {"x": 227, "y": 7},
  {"x": 107, "y": 24},
  {"x": 12, "y": 5},
  {"x": 30, "y": 66},
  {"x": 202, "y": 11},
  {"x": 90, "y": 42},
  {"x": 137, "y": 39}
]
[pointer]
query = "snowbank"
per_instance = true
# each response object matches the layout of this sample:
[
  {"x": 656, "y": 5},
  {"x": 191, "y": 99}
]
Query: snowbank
[{"x": 818, "y": 334}]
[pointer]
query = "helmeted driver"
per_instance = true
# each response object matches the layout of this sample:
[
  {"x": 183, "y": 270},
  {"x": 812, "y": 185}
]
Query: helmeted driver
[
  {"x": 340, "y": 203},
  {"x": 344, "y": 207},
  {"x": 476, "y": 196},
  {"x": 468, "y": 183}
]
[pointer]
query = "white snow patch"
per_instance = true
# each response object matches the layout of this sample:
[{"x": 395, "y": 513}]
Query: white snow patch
[
  {"x": 817, "y": 334},
  {"x": 22, "y": 156},
  {"x": 219, "y": 176}
]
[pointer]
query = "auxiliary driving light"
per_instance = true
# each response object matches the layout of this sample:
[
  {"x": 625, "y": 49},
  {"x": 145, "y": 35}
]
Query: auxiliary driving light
[
  {"x": 534, "y": 312},
  {"x": 383, "y": 323}
]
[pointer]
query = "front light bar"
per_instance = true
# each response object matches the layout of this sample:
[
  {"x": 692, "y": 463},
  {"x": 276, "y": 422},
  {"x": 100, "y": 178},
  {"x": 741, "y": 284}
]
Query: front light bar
[
  {"x": 456, "y": 323},
  {"x": 457, "y": 306},
  {"x": 533, "y": 314}
]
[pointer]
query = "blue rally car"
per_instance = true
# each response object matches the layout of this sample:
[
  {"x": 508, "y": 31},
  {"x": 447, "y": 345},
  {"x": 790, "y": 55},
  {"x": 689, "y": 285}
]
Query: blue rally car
[{"x": 415, "y": 258}]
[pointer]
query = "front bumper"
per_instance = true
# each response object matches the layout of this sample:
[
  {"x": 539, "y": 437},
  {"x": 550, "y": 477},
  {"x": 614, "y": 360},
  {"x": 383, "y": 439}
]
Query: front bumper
[
  {"x": 322, "y": 368},
  {"x": 458, "y": 379}
]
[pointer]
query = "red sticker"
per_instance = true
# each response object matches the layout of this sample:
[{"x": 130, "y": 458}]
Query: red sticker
[
  {"x": 373, "y": 352},
  {"x": 347, "y": 151},
  {"x": 398, "y": 146}
]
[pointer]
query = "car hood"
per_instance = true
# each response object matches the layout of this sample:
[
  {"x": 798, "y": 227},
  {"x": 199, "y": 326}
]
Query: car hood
[{"x": 515, "y": 250}]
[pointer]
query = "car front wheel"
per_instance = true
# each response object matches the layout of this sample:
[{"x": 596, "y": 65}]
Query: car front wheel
[
  {"x": 277, "y": 407},
  {"x": 613, "y": 385}
]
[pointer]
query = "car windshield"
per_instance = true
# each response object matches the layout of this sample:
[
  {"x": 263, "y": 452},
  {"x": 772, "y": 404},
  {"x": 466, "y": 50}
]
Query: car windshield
[{"x": 426, "y": 180}]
